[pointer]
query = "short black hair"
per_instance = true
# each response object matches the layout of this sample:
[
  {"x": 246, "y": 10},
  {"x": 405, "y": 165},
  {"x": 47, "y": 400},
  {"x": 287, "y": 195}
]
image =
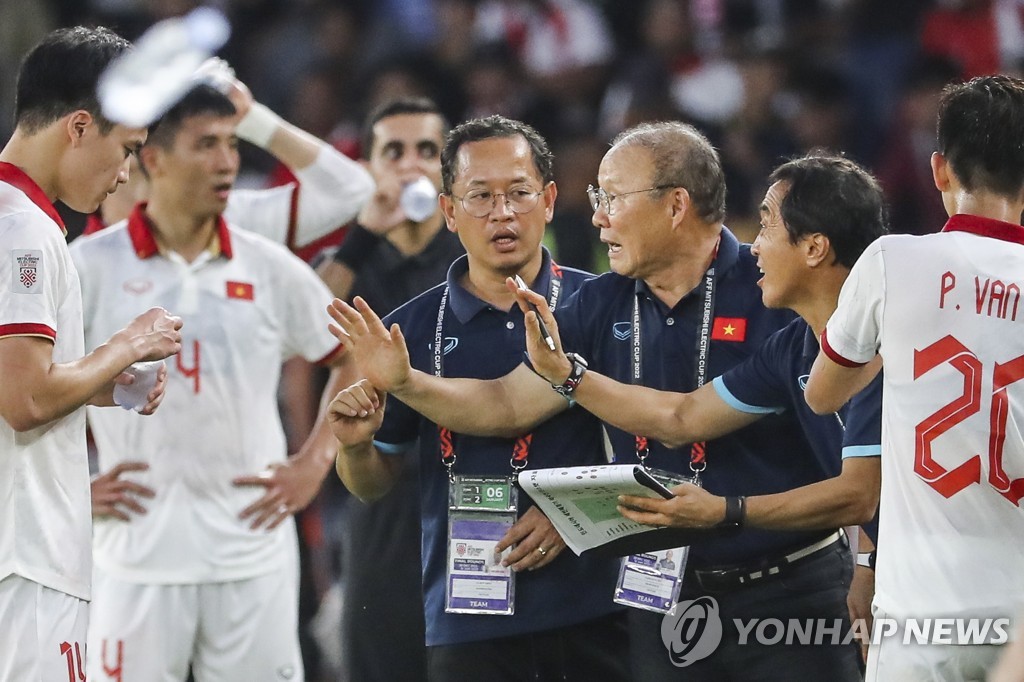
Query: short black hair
[
  {"x": 59, "y": 76},
  {"x": 487, "y": 128},
  {"x": 682, "y": 157},
  {"x": 833, "y": 196},
  {"x": 200, "y": 100},
  {"x": 981, "y": 133},
  {"x": 397, "y": 107}
]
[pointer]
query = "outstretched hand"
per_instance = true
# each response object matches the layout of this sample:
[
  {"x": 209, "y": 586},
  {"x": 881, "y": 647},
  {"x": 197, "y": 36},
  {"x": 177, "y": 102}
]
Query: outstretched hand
[
  {"x": 380, "y": 353},
  {"x": 550, "y": 364}
]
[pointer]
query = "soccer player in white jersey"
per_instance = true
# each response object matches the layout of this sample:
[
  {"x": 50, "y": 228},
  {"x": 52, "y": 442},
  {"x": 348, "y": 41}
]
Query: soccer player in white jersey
[
  {"x": 330, "y": 190},
  {"x": 62, "y": 148},
  {"x": 943, "y": 312},
  {"x": 207, "y": 577}
]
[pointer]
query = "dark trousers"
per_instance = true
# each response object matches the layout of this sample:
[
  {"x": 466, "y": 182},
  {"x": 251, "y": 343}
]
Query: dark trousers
[
  {"x": 597, "y": 649},
  {"x": 814, "y": 588}
]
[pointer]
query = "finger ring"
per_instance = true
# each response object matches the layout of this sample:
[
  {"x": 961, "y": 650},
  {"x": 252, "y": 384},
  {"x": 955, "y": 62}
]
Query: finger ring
[
  {"x": 283, "y": 509},
  {"x": 543, "y": 552}
]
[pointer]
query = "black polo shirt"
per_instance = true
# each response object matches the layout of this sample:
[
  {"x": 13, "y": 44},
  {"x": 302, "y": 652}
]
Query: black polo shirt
[
  {"x": 484, "y": 343},
  {"x": 386, "y": 278},
  {"x": 770, "y": 456}
]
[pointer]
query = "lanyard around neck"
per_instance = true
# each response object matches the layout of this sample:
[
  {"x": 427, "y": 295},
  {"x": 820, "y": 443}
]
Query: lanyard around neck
[
  {"x": 521, "y": 448},
  {"x": 698, "y": 461}
]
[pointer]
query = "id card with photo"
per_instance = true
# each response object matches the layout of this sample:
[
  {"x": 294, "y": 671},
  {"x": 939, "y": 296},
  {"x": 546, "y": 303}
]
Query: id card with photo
[
  {"x": 652, "y": 581},
  {"x": 481, "y": 512}
]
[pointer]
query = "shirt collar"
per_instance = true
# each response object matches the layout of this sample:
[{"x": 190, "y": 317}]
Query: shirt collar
[
  {"x": 728, "y": 254},
  {"x": 985, "y": 227},
  {"x": 17, "y": 178},
  {"x": 140, "y": 230},
  {"x": 465, "y": 305}
]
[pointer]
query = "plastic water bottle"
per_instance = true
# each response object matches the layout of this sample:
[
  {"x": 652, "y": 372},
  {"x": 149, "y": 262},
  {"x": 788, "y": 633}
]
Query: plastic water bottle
[
  {"x": 133, "y": 396},
  {"x": 139, "y": 86},
  {"x": 419, "y": 199}
]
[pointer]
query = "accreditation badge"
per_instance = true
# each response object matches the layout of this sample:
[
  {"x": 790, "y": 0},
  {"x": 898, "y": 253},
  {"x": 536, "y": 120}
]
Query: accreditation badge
[
  {"x": 481, "y": 510},
  {"x": 652, "y": 580}
]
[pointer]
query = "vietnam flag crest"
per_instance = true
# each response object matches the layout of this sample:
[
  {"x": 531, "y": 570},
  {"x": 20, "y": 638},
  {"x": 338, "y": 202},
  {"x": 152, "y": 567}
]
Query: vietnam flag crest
[
  {"x": 729, "y": 329},
  {"x": 240, "y": 290}
]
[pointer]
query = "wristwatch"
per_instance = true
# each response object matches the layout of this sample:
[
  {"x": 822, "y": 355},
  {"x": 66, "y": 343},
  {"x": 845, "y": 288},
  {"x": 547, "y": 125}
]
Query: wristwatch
[
  {"x": 579, "y": 368},
  {"x": 866, "y": 559},
  {"x": 735, "y": 512}
]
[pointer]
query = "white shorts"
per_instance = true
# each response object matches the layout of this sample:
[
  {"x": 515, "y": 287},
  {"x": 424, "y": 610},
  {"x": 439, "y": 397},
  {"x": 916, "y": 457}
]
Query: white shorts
[
  {"x": 240, "y": 630},
  {"x": 42, "y": 633},
  {"x": 892, "y": 659}
]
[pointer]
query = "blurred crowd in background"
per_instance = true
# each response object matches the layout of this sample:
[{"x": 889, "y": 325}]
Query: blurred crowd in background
[{"x": 764, "y": 79}]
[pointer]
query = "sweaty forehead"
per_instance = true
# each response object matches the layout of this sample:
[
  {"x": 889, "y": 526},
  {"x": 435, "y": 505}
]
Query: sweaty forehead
[{"x": 495, "y": 160}]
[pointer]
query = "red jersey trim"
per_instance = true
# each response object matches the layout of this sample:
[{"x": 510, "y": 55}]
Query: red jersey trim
[
  {"x": 17, "y": 178},
  {"x": 27, "y": 329},
  {"x": 835, "y": 357},
  {"x": 330, "y": 357},
  {"x": 93, "y": 223},
  {"x": 985, "y": 227},
  {"x": 140, "y": 231}
]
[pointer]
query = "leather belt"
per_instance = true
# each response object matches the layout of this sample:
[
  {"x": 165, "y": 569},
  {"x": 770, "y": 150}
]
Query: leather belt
[{"x": 731, "y": 578}]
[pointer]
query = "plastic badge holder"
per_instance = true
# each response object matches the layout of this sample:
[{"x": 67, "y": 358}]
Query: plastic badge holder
[
  {"x": 419, "y": 199},
  {"x": 142, "y": 84},
  {"x": 133, "y": 396},
  {"x": 651, "y": 579},
  {"x": 481, "y": 511}
]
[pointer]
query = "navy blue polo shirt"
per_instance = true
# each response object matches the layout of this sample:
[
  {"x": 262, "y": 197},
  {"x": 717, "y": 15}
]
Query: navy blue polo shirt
[
  {"x": 770, "y": 456},
  {"x": 484, "y": 343},
  {"x": 773, "y": 381}
]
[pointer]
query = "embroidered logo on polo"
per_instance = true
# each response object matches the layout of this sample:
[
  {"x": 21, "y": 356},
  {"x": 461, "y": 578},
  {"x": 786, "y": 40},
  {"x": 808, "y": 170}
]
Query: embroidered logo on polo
[
  {"x": 28, "y": 271},
  {"x": 622, "y": 330},
  {"x": 137, "y": 286},
  {"x": 450, "y": 344},
  {"x": 802, "y": 381}
]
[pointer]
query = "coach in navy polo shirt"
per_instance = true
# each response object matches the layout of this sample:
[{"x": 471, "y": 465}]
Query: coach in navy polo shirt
[
  {"x": 498, "y": 198},
  {"x": 818, "y": 216},
  {"x": 682, "y": 279}
]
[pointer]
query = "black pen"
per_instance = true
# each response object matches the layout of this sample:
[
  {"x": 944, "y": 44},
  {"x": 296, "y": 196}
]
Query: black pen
[{"x": 543, "y": 328}]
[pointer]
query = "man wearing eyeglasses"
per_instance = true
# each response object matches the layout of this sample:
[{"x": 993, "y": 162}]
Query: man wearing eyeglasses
[
  {"x": 681, "y": 280},
  {"x": 554, "y": 617}
]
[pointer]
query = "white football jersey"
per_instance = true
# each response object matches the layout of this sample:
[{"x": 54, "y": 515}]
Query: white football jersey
[
  {"x": 45, "y": 520},
  {"x": 329, "y": 193},
  {"x": 247, "y": 305},
  {"x": 945, "y": 314}
]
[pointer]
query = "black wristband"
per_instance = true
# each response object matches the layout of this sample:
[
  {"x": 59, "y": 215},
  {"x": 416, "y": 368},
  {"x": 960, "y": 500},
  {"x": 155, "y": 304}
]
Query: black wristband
[
  {"x": 356, "y": 247},
  {"x": 735, "y": 511}
]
